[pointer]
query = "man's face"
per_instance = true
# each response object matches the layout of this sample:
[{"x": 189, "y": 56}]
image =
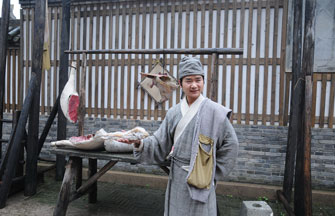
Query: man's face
[{"x": 192, "y": 87}]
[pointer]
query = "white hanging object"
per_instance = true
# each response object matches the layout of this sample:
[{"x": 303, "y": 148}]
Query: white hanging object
[{"x": 69, "y": 100}]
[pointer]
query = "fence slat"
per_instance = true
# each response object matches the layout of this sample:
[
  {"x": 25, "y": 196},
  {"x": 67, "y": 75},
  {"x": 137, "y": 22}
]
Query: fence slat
[
  {"x": 180, "y": 9},
  {"x": 49, "y": 89},
  {"x": 287, "y": 96},
  {"x": 137, "y": 38},
  {"x": 274, "y": 65},
  {"x": 225, "y": 43},
  {"x": 28, "y": 39},
  {"x": 8, "y": 75},
  {"x": 78, "y": 73},
  {"x": 323, "y": 100},
  {"x": 151, "y": 20},
  {"x": 97, "y": 57},
  {"x": 266, "y": 66},
  {"x": 103, "y": 74},
  {"x": 12, "y": 83},
  {"x": 232, "y": 69},
  {"x": 164, "y": 46},
  {"x": 143, "y": 56},
  {"x": 240, "y": 64},
  {"x": 116, "y": 69},
  {"x": 258, "y": 45},
  {"x": 315, "y": 79},
  {"x": 72, "y": 33},
  {"x": 130, "y": 27},
  {"x": 247, "y": 109},
  {"x": 55, "y": 51},
  {"x": 110, "y": 39},
  {"x": 90, "y": 61},
  {"x": 210, "y": 30},
  {"x": 122, "y": 95},
  {"x": 282, "y": 63},
  {"x": 172, "y": 39}
]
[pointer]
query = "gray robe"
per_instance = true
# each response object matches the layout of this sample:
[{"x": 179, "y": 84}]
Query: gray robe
[{"x": 180, "y": 198}]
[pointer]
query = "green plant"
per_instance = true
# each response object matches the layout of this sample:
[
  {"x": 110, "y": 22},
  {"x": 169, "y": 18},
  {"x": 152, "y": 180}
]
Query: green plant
[{"x": 263, "y": 198}]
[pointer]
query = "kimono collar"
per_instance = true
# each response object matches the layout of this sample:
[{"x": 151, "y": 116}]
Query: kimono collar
[{"x": 194, "y": 106}]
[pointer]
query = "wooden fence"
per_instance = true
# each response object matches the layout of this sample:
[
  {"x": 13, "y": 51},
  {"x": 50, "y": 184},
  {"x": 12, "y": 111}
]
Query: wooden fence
[{"x": 255, "y": 86}]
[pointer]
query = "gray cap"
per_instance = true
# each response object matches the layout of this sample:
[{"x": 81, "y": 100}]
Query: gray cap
[{"x": 190, "y": 66}]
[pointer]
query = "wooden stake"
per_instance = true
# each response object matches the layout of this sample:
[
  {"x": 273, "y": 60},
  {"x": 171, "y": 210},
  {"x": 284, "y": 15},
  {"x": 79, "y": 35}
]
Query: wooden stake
[
  {"x": 297, "y": 95},
  {"x": 32, "y": 140},
  {"x": 63, "y": 77},
  {"x": 3, "y": 49},
  {"x": 303, "y": 187}
]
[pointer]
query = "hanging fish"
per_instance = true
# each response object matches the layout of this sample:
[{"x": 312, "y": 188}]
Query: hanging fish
[{"x": 69, "y": 100}]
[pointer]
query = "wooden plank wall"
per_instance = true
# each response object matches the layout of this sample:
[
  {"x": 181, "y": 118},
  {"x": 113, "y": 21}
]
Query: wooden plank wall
[{"x": 255, "y": 86}]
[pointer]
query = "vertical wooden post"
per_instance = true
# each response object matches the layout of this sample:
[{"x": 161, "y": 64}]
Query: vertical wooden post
[
  {"x": 214, "y": 78},
  {"x": 297, "y": 103},
  {"x": 32, "y": 140},
  {"x": 3, "y": 50},
  {"x": 303, "y": 188},
  {"x": 20, "y": 168},
  {"x": 17, "y": 143},
  {"x": 63, "y": 77},
  {"x": 92, "y": 163}
]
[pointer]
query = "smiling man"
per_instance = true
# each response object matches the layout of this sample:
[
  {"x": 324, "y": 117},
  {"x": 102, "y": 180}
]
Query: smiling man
[{"x": 196, "y": 135}]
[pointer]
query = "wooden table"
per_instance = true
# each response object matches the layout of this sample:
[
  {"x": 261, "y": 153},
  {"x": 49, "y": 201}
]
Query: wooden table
[{"x": 73, "y": 169}]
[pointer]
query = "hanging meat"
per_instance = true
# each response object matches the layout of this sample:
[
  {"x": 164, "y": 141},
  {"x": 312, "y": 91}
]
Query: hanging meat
[{"x": 69, "y": 100}]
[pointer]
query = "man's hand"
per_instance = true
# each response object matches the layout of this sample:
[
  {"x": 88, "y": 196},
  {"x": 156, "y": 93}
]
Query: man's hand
[{"x": 137, "y": 143}]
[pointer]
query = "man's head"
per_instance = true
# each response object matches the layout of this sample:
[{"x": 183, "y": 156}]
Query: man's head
[
  {"x": 190, "y": 66},
  {"x": 191, "y": 78}
]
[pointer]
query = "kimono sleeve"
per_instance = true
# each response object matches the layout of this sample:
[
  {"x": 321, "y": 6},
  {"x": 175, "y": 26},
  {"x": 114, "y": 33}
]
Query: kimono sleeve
[
  {"x": 158, "y": 146},
  {"x": 226, "y": 152}
]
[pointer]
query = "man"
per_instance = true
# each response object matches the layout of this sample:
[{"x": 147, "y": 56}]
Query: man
[{"x": 198, "y": 137}]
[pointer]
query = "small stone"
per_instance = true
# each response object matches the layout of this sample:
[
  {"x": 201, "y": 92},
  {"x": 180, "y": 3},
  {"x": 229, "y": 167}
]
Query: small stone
[{"x": 255, "y": 208}]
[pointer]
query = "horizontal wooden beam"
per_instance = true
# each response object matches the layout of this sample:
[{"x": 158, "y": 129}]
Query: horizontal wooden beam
[{"x": 195, "y": 51}]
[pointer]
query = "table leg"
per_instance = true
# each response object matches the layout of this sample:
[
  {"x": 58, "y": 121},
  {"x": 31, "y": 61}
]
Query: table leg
[
  {"x": 65, "y": 191},
  {"x": 92, "y": 169},
  {"x": 79, "y": 172}
]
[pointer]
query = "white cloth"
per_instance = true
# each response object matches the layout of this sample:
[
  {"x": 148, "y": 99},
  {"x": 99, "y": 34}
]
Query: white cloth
[{"x": 188, "y": 112}]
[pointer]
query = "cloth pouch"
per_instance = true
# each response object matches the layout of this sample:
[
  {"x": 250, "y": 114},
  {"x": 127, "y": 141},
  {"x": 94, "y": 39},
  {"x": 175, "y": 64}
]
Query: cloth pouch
[{"x": 201, "y": 174}]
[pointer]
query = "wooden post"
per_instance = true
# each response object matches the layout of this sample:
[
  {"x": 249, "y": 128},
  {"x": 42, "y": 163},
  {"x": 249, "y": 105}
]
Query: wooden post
[
  {"x": 63, "y": 77},
  {"x": 297, "y": 103},
  {"x": 33, "y": 128},
  {"x": 214, "y": 75},
  {"x": 17, "y": 143},
  {"x": 3, "y": 50},
  {"x": 303, "y": 186},
  {"x": 20, "y": 168}
]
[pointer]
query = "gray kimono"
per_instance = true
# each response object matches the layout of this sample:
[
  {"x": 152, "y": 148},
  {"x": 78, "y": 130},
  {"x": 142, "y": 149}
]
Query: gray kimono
[{"x": 211, "y": 120}]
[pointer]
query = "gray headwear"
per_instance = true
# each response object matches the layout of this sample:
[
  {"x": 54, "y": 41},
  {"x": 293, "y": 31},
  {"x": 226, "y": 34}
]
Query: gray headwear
[{"x": 190, "y": 66}]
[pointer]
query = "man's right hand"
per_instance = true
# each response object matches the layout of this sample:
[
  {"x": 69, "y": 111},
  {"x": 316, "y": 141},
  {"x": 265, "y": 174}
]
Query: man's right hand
[{"x": 137, "y": 143}]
